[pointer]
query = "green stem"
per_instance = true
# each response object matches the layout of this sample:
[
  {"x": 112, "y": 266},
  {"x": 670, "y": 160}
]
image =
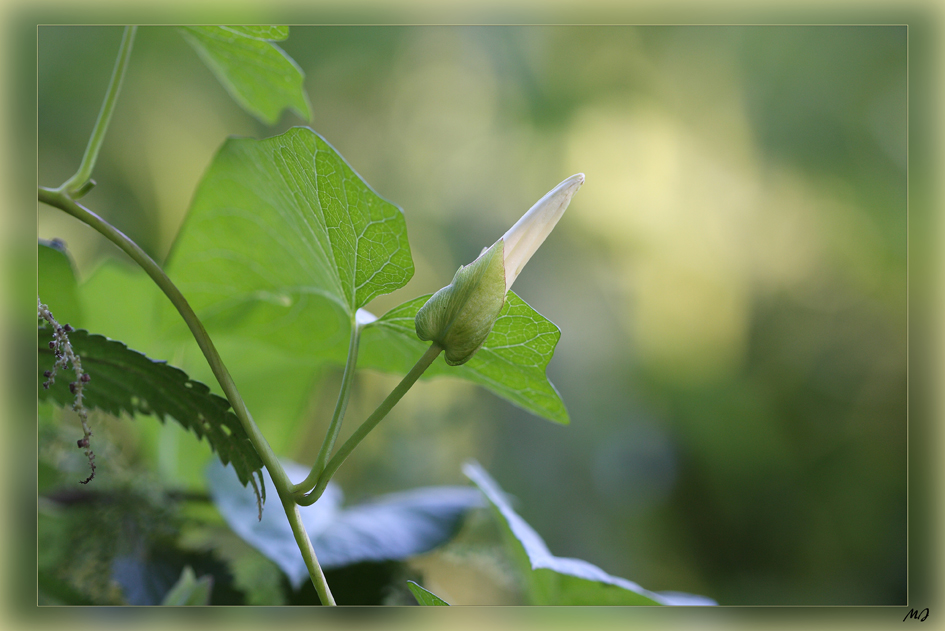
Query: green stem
[
  {"x": 376, "y": 417},
  {"x": 76, "y": 185},
  {"x": 62, "y": 201},
  {"x": 308, "y": 552},
  {"x": 335, "y": 426}
]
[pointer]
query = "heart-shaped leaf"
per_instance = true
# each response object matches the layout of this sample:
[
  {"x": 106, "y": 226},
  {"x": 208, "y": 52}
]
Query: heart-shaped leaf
[
  {"x": 391, "y": 527},
  {"x": 511, "y": 362},
  {"x": 555, "y": 580},
  {"x": 257, "y": 73},
  {"x": 284, "y": 242}
]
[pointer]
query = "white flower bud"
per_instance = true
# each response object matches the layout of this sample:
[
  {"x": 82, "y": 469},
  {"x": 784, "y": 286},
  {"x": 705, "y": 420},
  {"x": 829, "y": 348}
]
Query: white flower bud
[
  {"x": 529, "y": 232},
  {"x": 460, "y": 316}
]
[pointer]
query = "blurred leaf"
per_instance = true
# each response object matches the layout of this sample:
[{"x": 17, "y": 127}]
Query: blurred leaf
[
  {"x": 257, "y": 73},
  {"x": 564, "y": 581},
  {"x": 511, "y": 363},
  {"x": 284, "y": 242},
  {"x": 425, "y": 596},
  {"x": 123, "y": 380},
  {"x": 56, "y": 283},
  {"x": 47, "y": 476},
  {"x": 265, "y": 32},
  {"x": 132, "y": 317},
  {"x": 257, "y": 577},
  {"x": 144, "y": 580},
  {"x": 55, "y": 591},
  {"x": 189, "y": 590},
  {"x": 86, "y": 538},
  {"x": 391, "y": 527}
]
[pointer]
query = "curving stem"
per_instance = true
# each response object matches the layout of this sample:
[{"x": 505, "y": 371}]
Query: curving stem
[
  {"x": 61, "y": 200},
  {"x": 376, "y": 417}
]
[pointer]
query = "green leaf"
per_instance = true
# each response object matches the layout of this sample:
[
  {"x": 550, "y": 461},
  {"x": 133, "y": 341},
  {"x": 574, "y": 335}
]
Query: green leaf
[
  {"x": 425, "y": 596},
  {"x": 511, "y": 363},
  {"x": 555, "y": 580},
  {"x": 284, "y": 242},
  {"x": 388, "y": 528},
  {"x": 257, "y": 73},
  {"x": 258, "y": 369},
  {"x": 56, "y": 282},
  {"x": 121, "y": 300},
  {"x": 123, "y": 380},
  {"x": 276, "y": 386},
  {"x": 189, "y": 590},
  {"x": 264, "y": 32}
]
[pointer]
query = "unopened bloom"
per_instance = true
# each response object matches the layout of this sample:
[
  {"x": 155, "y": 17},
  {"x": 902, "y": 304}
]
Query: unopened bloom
[
  {"x": 529, "y": 232},
  {"x": 460, "y": 316}
]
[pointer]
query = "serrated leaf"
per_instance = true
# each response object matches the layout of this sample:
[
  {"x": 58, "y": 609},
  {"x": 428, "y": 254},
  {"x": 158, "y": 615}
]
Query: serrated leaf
[
  {"x": 511, "y": 362},
  {"x": 389, "y": 528},
  {"x": 555, "y": 580},
  {"x": 284, "y": 242},
  {"x": 123, "y": 380},
  {"x": 426, "y": 597},
  {"x": 257, "y": 368},
  {"x": 259, "y": 75}
]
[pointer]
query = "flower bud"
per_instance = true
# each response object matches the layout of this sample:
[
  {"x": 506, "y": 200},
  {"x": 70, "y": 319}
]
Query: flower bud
[
  {"x": 529, "y": 232},
  {"x": 460, "y": 316}
]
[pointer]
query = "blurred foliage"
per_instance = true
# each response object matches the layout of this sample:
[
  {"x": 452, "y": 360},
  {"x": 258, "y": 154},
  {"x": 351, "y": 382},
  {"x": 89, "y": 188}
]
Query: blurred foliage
[
  {"x": 553, "y": 580},
  {"x": 730, "y": 284}
]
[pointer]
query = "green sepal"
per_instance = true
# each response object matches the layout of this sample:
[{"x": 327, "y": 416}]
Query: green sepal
[{"x": 460, "y": 316}]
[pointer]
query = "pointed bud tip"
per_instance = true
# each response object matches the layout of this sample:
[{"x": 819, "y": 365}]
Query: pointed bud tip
[
  {"x": 575, "y": 180},
  {"x": 567, "y": 188}
]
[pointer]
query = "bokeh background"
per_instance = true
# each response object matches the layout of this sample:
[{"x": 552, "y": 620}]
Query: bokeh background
[{"x": 730, "y": 282}]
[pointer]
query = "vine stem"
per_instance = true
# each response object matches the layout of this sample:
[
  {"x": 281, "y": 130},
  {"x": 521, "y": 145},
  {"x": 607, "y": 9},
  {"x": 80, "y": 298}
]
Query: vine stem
[
  {"x": 76, "y": 185},
  {"x": 304, "y": 543},
  {"x": 336, "y": 419},
  {"x": 61, "y": 200},
  {"x": 376, "y": 417}
]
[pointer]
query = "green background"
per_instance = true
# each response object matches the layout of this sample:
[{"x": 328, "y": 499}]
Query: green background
[{"x": 730, "y": 281}]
